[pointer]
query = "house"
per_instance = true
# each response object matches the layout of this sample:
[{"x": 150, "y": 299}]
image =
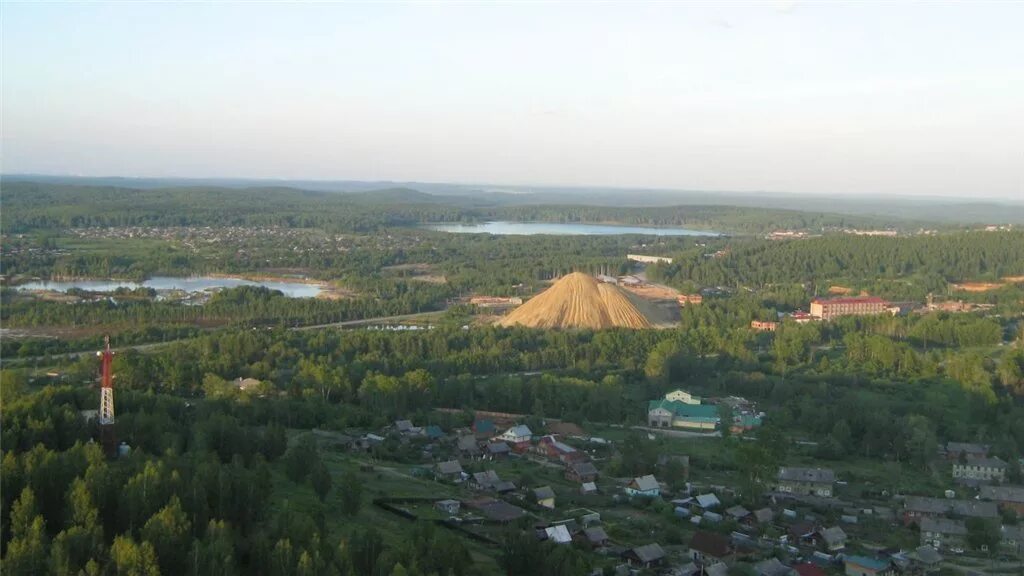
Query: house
[
  {"x": 688, "y": 569},
  {"x": 643, "y": 486},
  {"x": 954, "y": 450},
  {"x": 808, "y": 569},
  {"x": 1012, "y": 540},
  {"x": 1007, "y": 497},
  {"x": 772, "y": 567},
  {"x": 764, "y": 515},
  {"x": 246, "y": 384},
  {"x": 450, "y": 471},
  {"x": 865, "y": 566},
  {"x": 497, "y": 510},
  {"x": 588, "y": 488},
  {"x": 467, "y": 447},
  {"x": 645, "y": 556},
  {"x": 518, "y": 437},
  {"x": 745, "y": 422},
  {"x": 581, "y": 472},
  {"x": 802, "y": 532},
  {"x": 707, "y": 501},
  {"x": 682, "y": 396},
  {"x": 925, "y": 559},
  {"x": 504, "y": 486},
  {"x": 596, "y": 536},
  {"x": 550, "y": 447},
  {"x": 917, "y": 507},
  {"x": 737, "y": 513},
  {"x": 708, "y": 548},
  {"x": 449, "y": 507},
  {"x": 485, "y": 480},
  {"x": 497, "y": 450},
  {"x": 545, "y": 497},
  {"x": 404, "y": 427},
  {"x": 484, "y": 429},
  {"x": 979, "y": 469},
  {"x": 558, "y": 534},
  {"x": 673, "y": 414},
  {"x": 760, "y": 326},
  {"x": 833, "y": 539},
  {"x": 716, "y": 569},
  {"x": 689, "y": 299},
  {"x": 433, "y": 432},
  {"x": 806, "y": 481},
  {"x": 943, "y": 533}
]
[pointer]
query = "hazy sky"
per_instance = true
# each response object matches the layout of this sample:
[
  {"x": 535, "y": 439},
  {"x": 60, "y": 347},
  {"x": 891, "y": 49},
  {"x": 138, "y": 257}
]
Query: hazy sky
[{"x": 923, "y": 98}]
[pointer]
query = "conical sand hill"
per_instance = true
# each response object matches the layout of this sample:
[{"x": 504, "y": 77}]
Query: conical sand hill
[{"x": 578, "y": 301}]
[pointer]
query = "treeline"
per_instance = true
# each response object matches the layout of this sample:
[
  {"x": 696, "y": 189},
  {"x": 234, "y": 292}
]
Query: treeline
[
  {"x": 35, "y": 205},
  {"x": 716, "y": 218},
  {"x": 914, "y": 266},
  {"x": 242, "y": 306}
]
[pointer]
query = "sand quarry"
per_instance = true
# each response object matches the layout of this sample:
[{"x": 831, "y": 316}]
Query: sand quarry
[{"x": 578, "y": 300}]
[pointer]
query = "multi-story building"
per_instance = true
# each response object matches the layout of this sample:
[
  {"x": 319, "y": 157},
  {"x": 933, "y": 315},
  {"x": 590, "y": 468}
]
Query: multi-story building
[
  {"x": 831, "y": 308},
  {"x": 943, "y": 533},
  {"x": 807, "y": 481},
  {"x": 760, "y": 326},
  {"x": 917, "y": 508},
  {"x": 975, "y": 469},
  {"x": 1007, "y": 497}
]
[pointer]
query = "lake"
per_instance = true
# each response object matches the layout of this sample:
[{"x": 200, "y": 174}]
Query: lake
[
  {"x": 190, "y": 284},
  {"x": 558, "y": 229}
]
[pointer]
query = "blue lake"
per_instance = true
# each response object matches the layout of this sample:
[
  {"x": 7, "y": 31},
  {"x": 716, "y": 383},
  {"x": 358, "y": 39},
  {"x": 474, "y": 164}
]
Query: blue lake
[
  {"x": 554, "y": 228},
  {"x": 190, "y": 284}
]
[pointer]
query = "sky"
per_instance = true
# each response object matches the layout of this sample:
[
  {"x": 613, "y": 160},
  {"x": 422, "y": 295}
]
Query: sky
[{"x": 859, "y": 98}]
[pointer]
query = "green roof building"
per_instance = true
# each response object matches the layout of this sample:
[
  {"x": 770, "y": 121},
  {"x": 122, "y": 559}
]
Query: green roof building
[{"x": 670, "y": 414}]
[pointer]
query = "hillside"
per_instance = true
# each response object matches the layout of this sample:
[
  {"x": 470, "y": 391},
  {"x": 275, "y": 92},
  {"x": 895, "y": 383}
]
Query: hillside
[{"x": 578, "y": 301}]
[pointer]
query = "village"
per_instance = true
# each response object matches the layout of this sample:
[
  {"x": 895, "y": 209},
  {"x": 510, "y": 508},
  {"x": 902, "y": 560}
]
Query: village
[{"x": 554, "y": 479}]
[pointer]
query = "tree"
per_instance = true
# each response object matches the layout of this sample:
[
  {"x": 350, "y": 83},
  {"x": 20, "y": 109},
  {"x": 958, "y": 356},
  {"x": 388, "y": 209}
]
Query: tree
[
  {"x": 351, "y": 492},
  {"x": 301, "y": 458},
  {"x": 215, "y": 553},
  {"x": 26, "y": 553},
  {"x": 275, "y": 442},
  {"x": 131, "y": 559},
  {"x": 169, "y": 533},
  {"x": 320, "y": 478},
  {"x": 983, "y": 534}
]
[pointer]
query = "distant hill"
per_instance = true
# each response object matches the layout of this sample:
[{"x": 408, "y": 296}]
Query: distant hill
[{"x": 915, "y": 209}]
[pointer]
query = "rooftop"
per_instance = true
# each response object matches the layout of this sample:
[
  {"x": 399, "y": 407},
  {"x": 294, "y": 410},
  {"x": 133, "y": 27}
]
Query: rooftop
[
  {"x": 649, "y": 552},
  {"x": 1005, "y": 493},
  {"x": 645, "y": 483},
  {"x": 851, "y": 300},
  {"x": 684, "y": 410},
  {"x": 822, "y": 475},
  {"x": 868, "y": 562},
  {"x": 711, "y": 544}
]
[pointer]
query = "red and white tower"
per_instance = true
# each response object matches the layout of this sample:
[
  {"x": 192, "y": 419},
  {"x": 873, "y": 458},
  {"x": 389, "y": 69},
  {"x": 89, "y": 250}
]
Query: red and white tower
[{"x": 106, "y": 416}]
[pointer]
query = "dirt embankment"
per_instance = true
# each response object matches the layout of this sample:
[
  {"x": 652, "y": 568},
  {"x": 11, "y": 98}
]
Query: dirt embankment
[{"x": 579, "y": 301}]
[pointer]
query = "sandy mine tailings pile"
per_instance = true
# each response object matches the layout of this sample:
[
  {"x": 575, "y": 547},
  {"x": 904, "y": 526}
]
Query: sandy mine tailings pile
[{"x": 578, "y": 301}]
